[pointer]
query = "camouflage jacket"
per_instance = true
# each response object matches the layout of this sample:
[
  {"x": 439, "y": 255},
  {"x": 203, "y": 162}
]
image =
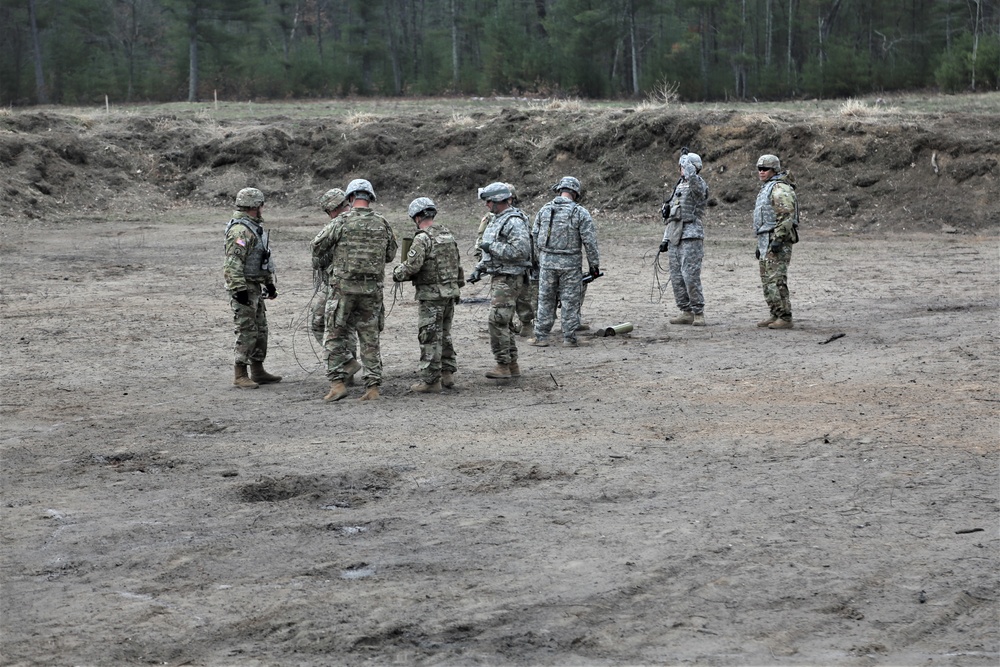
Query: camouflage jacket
[
  {"x": 562, "y": 231},
  {"x": 362, "y": 243},
  {"x": 687, "y": 205},
  {"x": 248, "y": 257},
  {"x": 776, "y": 212},
  {"x": 510, "y": 244},
  {"x": 434, "y": 264}
]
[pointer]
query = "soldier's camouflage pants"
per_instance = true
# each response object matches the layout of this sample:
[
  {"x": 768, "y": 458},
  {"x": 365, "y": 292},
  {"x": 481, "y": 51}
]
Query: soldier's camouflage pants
[
  {"x": 685, "y": 274},
  {"x": 318, "y": 324},
  {"x": 250, "y": 324},
  {"x": 434, "y": 335},
  {"x": 774, "y": 281},
  {"x": 527, "y": 303},
  {"x": 506, "y": 291},
  {"x": 565, "y": 286},
  {"x": 347, "y": 315}
]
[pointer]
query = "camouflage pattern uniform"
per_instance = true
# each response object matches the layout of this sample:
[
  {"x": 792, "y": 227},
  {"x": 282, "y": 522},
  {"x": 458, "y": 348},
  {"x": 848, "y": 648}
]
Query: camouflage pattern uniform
[
  {"x": 686, "y": 250},
  {"x": 320, "y": 322},
  {"x": 361, "y": 242},
  {"x": 508, "y": 262},
  {"x": 562, "y": 231},
  {"x": 527, "y": 303},
  {"x": 775, "y": 222},
  {"x": 434, "y": 264},
  {"x": 248, "y": 266}
]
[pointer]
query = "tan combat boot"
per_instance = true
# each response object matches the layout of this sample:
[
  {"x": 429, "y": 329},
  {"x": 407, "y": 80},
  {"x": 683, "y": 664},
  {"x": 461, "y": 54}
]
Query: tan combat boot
[
  {"x": 780, "y": 324},
  {"x": 337, "y": 391},
  {"x": 242, "y": 380},
  {"x": 515, "y": 370},
  {"x": 260, "y": 376},
  {"x": 424, "y": 388},
  {"x": 447, "y": 379},
  {"x": 699, "y": 320},
  {"x": 501, "y": 372},
  {"x": 686, "y": 317},
  {"x": 767, "y": 321},
  {"x": 371, "y": 394}
]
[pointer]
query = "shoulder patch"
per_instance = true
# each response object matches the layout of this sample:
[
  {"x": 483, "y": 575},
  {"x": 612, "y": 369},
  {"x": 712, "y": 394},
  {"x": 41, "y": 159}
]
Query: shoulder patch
[{"x": 241, "y": 242}]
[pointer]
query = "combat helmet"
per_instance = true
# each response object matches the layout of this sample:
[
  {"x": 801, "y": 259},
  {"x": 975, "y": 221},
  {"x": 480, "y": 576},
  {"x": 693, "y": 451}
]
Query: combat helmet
[
  {"x": 421, "y": 205},
  {"x": 360, "y": 185},
  {"x": 332, "y": 199},
  {"x": 691, "y": 158},
  {"x": 496, "y": 192},
  {"x": 569, "y": 183},
  {"x": 249, "y": 198},
  {"x": 769, "y": 162}
]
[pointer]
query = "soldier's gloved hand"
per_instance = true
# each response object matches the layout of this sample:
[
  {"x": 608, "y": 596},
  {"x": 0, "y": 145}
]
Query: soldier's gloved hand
[
  {"x": 594, "y": 271},
  {"x": 485, "y": 246},
  {"x": 474, "y": 276},
  {"x": 757, "y": 253},
  {"x": 242, "y": 297},
  {"x": 777, "y": 247},
  {"x": 272, "y": 291},
  {"x": 664, "y": 246},
  {"x": 665, "y": 210}
]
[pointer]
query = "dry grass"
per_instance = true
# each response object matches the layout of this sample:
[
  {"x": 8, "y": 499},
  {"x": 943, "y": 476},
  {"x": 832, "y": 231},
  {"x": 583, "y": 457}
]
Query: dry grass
[
  {"x": 853, "y": 108},
  {"x": 459, "y": 120},
  {"x": 569, "y": 104},
  {"x": 360, "y": 118}
]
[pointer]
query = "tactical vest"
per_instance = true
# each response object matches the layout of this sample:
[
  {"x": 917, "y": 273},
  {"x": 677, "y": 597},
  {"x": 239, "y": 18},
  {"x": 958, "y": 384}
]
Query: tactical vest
[
  {"x": 443, "y": 260},
  {"x": 764, "y": 216},
  {"x": 499, "y": 230},
  {"x": 556, "y": 235},
  {"x": 360, "y": 254},
  {"x": 258, "y": 264}
]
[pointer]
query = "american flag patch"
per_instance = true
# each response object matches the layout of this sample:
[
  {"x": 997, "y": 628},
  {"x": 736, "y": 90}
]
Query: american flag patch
[{"x": 241, "y": 242}]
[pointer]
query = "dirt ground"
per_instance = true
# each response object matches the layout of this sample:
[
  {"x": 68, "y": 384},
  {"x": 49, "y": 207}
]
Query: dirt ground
[{"x": 724, "y": 495}]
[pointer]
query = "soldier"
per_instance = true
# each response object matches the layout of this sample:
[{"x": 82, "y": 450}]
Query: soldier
[
  {"x": 360, "y": 243},
  {"x": 527, "y": 303},
  {"x": 333, "y": 202},
  {"x": 249, "y": 276},
  {"x": 435, "y": 266},
  {"x": 562, "y": 230},
  {"x": 684, "y": 239},
  {"x": 506, "y": 257},
  {"x": 775, "y": 222}
]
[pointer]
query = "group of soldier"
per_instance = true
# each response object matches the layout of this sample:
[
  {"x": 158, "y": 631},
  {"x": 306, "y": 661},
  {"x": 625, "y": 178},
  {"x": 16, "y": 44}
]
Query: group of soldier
[{"x": 534, "y": 269}]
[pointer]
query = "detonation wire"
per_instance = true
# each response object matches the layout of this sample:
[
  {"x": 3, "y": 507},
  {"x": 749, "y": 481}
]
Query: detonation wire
[{"x": 657, "y": 287}]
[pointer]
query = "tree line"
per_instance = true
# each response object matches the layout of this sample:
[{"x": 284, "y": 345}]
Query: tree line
[{"x": 86, "y": 51}]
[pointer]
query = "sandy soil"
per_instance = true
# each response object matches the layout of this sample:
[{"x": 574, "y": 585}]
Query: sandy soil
[{"x": 722, "y": 496}]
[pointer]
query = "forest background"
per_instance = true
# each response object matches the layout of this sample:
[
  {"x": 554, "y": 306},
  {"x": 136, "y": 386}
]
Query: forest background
[{"x": 111, "y": 51}]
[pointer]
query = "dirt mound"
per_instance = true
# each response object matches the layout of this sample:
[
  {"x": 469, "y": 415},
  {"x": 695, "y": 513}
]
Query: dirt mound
[{"x": 892, "y": 172}]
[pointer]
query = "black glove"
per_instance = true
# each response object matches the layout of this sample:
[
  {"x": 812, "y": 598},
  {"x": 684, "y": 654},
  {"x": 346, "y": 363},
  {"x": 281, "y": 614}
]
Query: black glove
[
  {"x": 665, "y": 210},
  {"x": 757, "y": 253},
  {"x": 272, "y": 291},
  {"x": 473, "y": 277},
  {"x": 485, "y": 246},
  {"x": 594, "y": 271},
  {"x": 777, "y": 247},
  {"x": 242, "y": 297},
  {"x": 664, "y": 246}
]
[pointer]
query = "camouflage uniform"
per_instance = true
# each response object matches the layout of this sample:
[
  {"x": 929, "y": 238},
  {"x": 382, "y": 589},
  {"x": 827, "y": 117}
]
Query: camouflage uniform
[
  {"x": 434, "y": 264},
  {"x": 361, "y": 243},
  {"x": 319, "y": 322},
  {"x": 508, "y": 262},
  {"x": 561, "y": 232},
  {"x": 527, "y": 303},
  {"x": 687, "y": 247},
  {"x": 775, "y": 222},
  {"x": 248, "y": 266}
]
